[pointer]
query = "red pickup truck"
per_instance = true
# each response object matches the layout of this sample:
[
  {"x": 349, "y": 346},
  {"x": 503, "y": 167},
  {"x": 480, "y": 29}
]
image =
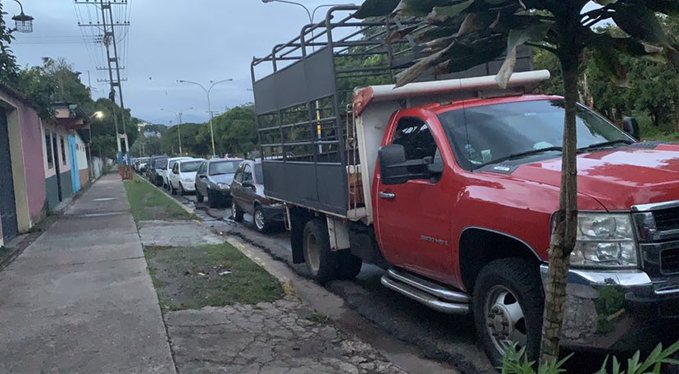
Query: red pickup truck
[{"x": 452, "y": 185}]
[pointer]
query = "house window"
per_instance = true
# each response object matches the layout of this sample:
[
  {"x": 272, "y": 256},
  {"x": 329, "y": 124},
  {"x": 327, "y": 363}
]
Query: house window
[
  {"x": 63, "y": 150},
  {"x": 48, "y": 150}
]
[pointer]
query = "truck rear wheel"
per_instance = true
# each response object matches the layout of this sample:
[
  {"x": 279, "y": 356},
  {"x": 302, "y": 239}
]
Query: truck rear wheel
[
  {"x": 508, "y": 306},
  {"x": 320, "y": 260},
  {"x": 349, "y": 265}
]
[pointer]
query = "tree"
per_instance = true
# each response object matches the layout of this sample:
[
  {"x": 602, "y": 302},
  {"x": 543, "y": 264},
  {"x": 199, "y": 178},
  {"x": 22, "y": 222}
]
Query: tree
[
  {"x": 459, "y": 34},
  {"x": 235, "y": 131},
  {"x": 8, "y": 66},
  {"x": 54, "y": 81}
]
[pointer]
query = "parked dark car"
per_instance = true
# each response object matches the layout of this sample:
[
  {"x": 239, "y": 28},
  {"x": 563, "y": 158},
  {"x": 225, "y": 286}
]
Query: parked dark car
[
  {"x": 156, "y": 172},
  {"x": 213, "y": 180},
  {"x": 150, "y": 169},
  {"x": 247, "y": 195}
]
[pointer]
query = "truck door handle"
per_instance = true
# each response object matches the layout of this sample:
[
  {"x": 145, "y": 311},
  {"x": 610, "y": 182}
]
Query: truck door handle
[{"x": 387, "y": 195}]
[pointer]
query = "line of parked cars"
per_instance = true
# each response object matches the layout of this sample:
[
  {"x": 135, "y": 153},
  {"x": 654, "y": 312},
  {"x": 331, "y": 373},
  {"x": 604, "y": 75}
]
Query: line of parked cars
[{"x": 234, "y": 183}]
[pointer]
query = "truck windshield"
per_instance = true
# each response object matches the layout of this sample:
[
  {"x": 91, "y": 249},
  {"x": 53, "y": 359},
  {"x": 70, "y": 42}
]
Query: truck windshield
[{"x": 489, "y": 134}]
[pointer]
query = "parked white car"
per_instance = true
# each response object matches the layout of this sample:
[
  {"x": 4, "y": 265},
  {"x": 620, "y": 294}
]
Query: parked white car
[
  {"x": 167, "y": 171},
  {"x": 182, "y": 177}
]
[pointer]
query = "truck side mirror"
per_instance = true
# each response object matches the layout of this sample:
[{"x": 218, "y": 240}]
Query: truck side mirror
[
  {"x": 631, "y": 127},
  {"x": 391, "y": 158}
]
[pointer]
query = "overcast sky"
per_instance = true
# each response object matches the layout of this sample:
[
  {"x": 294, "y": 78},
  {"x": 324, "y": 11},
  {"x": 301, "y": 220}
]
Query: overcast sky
[{"x": 198, "y": 40}]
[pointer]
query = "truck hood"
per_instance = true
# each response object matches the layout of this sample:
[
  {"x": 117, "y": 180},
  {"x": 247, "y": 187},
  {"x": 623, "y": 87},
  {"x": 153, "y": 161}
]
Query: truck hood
[{"x": 618, "y": 178}]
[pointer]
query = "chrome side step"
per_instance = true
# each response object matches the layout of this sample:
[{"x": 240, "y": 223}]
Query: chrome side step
[
  {"x": 428, "y": 286},
  {"x": 428, "y": 293}
]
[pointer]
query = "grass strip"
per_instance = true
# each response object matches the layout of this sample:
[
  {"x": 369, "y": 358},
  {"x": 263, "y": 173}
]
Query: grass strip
[{"x": 208, "y": 275}]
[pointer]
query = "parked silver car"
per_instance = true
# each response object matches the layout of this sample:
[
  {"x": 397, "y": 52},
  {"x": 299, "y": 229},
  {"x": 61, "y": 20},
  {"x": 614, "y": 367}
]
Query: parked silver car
[{"x": 213, "y": 180}]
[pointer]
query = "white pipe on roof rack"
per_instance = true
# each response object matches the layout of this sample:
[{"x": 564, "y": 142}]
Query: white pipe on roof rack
[{"x": 388, "y": 92}]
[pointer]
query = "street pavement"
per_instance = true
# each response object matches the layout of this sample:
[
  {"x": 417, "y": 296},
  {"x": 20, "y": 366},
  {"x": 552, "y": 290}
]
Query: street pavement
[{"x": 79, "y": 299}]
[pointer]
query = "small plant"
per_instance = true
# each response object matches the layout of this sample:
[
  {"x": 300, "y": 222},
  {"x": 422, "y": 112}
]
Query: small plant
[{"x": 515, "y": 362}]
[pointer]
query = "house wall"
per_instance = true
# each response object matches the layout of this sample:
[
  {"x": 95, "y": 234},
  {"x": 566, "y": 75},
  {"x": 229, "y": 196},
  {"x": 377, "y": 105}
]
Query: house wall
[
  {"x": 25, "y": 129},
  {"x": 83, "y": 166},
  {"x": 62, "y": 157}
]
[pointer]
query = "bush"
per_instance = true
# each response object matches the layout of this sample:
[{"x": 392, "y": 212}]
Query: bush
[{"x": 515, "y": 362}]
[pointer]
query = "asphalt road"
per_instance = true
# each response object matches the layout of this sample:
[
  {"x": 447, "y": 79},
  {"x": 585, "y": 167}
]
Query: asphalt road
[{"x": 450, "y": 339}]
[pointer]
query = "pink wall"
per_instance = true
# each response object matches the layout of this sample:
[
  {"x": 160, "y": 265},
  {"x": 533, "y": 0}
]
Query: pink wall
[{"x": 33, "y": 139}]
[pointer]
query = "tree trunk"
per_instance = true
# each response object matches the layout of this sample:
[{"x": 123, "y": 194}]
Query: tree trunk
[{"x": 564, "y": 234}]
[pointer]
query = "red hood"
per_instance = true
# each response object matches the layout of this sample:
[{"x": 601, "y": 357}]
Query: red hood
[{"x": 617, "y": 178}]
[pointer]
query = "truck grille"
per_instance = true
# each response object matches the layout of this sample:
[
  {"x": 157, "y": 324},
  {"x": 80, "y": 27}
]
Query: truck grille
[
  {"x": 667, "y": 219},
  {"x": 669, "y": 261}
]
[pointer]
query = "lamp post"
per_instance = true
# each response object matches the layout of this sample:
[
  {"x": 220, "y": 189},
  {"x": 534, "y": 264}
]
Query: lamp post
[
  {"x": 209, "y": 108},
  {"x": 22, "y": 22},
  {"x": 179, "y": 126}
]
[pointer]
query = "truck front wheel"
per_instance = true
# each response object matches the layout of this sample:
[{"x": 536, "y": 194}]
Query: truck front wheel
[
  {"x": 508, "y": 304},
  {"x": 320, "y": 260}
]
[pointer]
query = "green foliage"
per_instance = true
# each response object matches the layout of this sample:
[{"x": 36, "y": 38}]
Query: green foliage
[
  {"x": 515, "y": 362},
  {"x": 475, "y": 31},
  {"x": 610, "y": 302},
  {"x": 8, "y": 67},
  {"x": 53, "y": 82},
  {"x": 235, "y": 134}
]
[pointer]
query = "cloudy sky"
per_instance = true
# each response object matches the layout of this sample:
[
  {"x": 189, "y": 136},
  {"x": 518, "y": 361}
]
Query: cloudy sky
[{"x": 167, "y": 40}]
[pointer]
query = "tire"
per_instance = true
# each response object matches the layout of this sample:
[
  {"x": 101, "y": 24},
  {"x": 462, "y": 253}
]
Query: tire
[
  {"x": 259, "y": 219},
  {"x": 212, "y": 199},
  {"x": 181, "y": 190},
  {"x": 349, "y": 265},
  {"x": 501, "y": 286},
  {"x": 319, "y": 259},
  {"x": 236, "y": 213},
  {"x": 199, "y": 197}
]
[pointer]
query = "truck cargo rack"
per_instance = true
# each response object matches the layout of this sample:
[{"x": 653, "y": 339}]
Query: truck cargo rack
[{"x": 302, "y": 91}]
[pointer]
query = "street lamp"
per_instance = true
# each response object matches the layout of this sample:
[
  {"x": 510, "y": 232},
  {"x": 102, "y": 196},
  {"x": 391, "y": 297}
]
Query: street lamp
[
  {"x": 179, "y": 127},
  {"x": 311, "y": 14},
  {"x": 209, "y": 109},
  {"x": 22, "y": 22}
]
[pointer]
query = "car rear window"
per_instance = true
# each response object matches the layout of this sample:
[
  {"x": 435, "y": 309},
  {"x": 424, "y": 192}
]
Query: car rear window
[
  {"x": 190, "y": 166},
  {"x": 223, "y": 167}
]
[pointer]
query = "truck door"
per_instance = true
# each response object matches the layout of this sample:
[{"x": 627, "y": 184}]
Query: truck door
[{"x": 414, "y": 217}]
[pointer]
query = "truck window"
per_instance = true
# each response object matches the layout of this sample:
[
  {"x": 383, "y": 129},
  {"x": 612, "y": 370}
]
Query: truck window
[{"x": 414, "y": 135}]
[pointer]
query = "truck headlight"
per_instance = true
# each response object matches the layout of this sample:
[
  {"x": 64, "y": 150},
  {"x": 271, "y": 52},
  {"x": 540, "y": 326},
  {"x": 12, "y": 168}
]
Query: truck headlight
[
  {"x": 605, "y": 240},
  {"x": 223, "y": 186}
]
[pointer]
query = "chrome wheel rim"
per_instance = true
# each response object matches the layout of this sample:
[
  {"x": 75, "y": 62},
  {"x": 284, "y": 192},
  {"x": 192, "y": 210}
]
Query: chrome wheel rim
[
  {"x": 259, "y": 219},
  {"x": 505, "y": 320},
  {"x": 313, "y": 253}
]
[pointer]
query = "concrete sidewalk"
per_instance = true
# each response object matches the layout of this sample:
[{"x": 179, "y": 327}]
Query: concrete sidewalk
[{"x": 79, "y": 299}]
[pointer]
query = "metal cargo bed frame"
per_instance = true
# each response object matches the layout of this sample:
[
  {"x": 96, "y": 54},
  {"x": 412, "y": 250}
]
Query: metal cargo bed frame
[{"x": 303, "y": 93}]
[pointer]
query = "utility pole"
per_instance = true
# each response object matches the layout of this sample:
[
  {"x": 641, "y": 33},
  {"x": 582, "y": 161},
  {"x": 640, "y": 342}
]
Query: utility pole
[{"x": 107, "y": 25}]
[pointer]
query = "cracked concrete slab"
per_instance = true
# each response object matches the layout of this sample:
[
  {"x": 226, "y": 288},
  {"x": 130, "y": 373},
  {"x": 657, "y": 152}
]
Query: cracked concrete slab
[
  {"x": 176, "y": 234},
  {"x": 279, "y": 337}
]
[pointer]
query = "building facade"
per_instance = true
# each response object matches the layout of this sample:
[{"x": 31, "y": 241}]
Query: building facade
[{"x": 22, "y": 178}]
